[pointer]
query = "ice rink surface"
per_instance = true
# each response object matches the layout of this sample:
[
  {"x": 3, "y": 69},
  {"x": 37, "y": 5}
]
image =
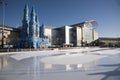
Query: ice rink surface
[{"x": 69, "y": 64}]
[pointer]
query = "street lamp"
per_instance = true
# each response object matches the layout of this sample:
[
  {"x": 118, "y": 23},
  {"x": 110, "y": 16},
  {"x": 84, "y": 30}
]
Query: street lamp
[{"x": 3, "y": 4}]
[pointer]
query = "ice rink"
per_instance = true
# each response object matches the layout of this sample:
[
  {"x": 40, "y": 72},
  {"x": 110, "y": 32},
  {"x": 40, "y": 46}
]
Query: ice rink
[{"x": 67, "y": 64}]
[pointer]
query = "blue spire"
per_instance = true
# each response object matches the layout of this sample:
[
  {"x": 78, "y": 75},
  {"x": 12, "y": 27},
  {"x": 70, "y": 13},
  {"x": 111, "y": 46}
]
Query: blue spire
[
  {"x": 25, "y": 22},
  {"x": 26, "y": 12},
  {"x": 36, "y": 19},
  {"x": 32, "y": 23},
  {"x": 42, "y": 31},
  {"x": 32, "y": 15},
  {"x": 32, "y": 29},
  {"x": 25, "y": 28},
  {"x": 37, "y": 26}
]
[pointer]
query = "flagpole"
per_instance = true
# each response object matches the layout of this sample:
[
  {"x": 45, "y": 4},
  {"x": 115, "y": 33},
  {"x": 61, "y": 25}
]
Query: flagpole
[{"x": 3, "y": 21}]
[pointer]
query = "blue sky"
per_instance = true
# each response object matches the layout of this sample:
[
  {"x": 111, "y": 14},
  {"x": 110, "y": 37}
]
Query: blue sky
[{"x": 65, "y": 12}]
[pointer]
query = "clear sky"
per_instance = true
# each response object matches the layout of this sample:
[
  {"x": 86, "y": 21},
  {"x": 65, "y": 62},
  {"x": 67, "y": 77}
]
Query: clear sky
[{"x": 65, "y": 12}]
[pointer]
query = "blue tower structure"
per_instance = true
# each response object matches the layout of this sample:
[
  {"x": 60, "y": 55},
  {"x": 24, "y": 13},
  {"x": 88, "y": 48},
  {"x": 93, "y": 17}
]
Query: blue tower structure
[
  {"x": 32, "y": 35},
  {"x": 44, "y": 41},
  {"x": 37, "y": 27},
  {"x": 25, "y": 22},
  {"x": 32, "y": 29},
  {"x": 42, "y": 29},
  {"x": 25, "y": 28}
]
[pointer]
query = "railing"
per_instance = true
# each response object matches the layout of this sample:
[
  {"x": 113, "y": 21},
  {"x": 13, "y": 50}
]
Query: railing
[{"x": 28, "y": 49}]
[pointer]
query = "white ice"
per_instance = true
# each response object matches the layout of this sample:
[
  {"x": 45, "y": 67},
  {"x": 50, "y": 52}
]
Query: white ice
[
  {"x": 83, "y": 55},
  {"x": 94, "y": 61}
]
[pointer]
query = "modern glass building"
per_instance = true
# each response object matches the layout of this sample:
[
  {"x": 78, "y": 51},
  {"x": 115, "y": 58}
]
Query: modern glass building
[{"x": 80, "y": 34}]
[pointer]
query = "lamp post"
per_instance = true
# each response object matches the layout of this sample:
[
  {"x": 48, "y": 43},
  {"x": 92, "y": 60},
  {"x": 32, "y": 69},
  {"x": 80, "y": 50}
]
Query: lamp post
[{"x": 3, "y": 8}]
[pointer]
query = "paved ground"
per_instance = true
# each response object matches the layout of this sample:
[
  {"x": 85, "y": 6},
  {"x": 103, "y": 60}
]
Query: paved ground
[{"x": 74, "y": 64}]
